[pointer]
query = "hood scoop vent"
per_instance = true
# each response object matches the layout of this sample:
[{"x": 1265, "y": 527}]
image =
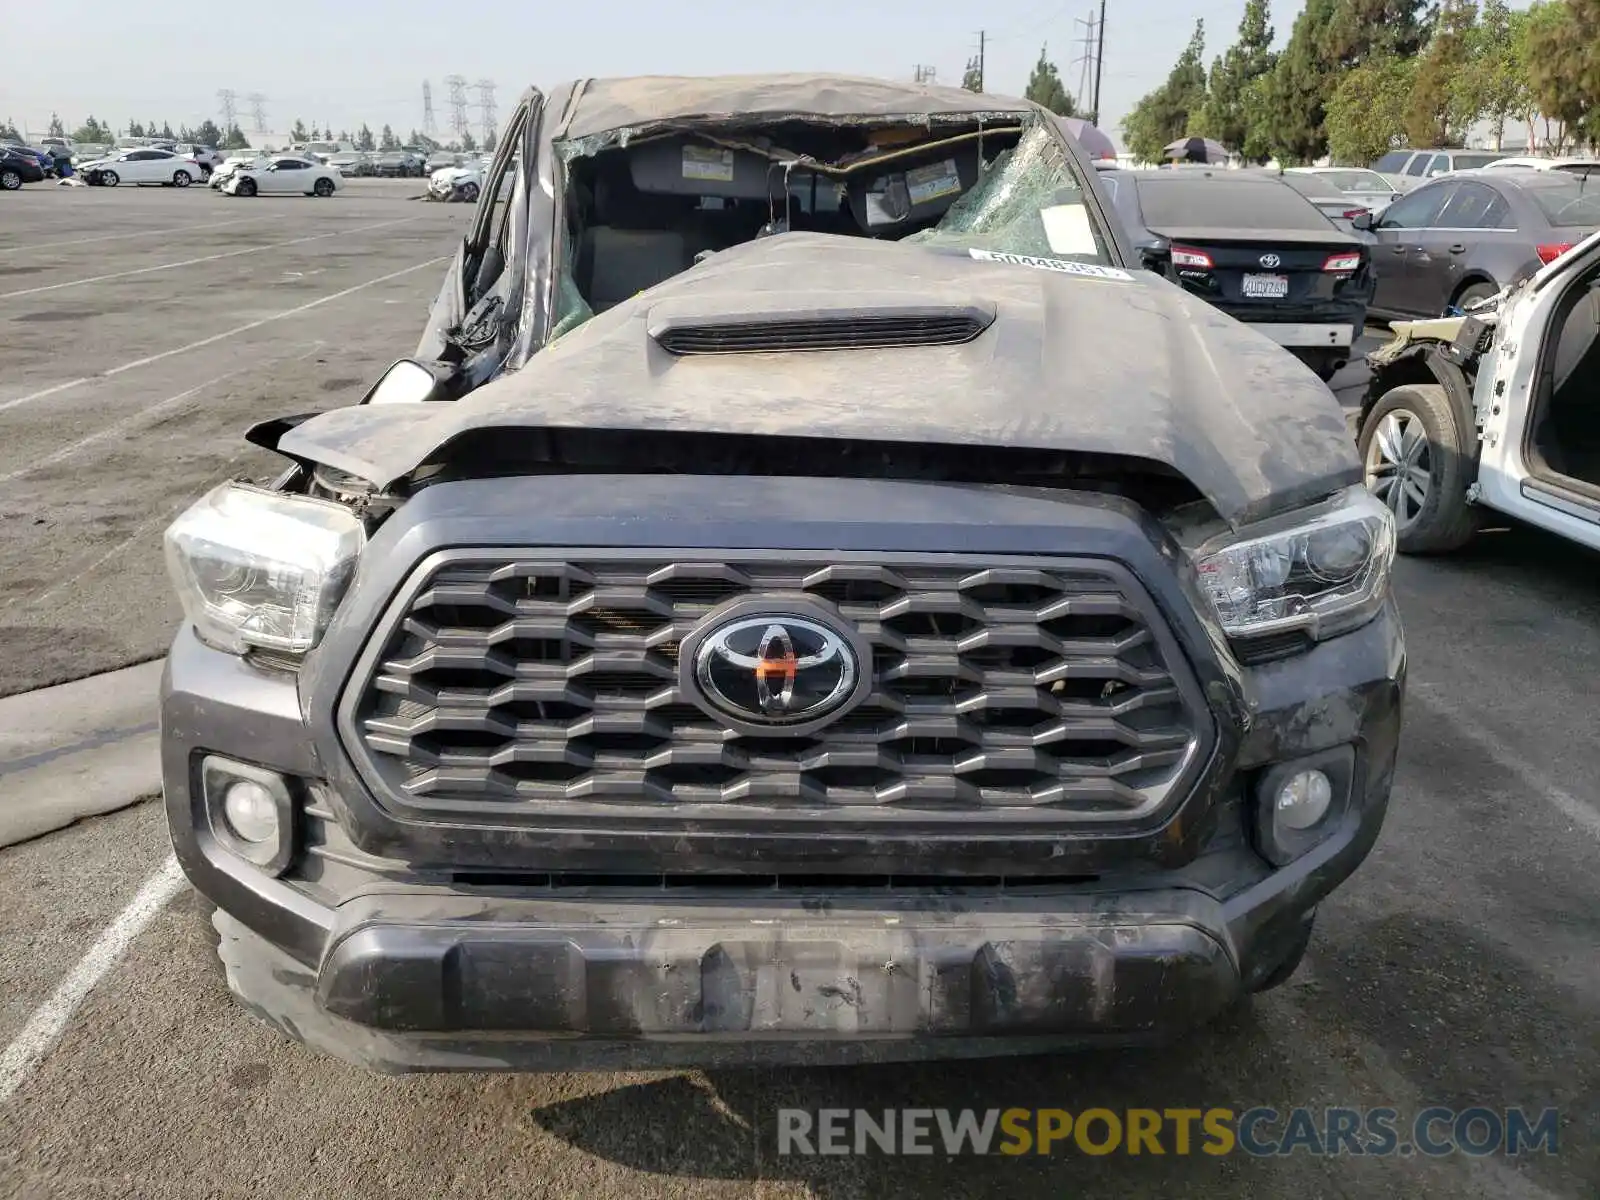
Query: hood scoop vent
[{"x": 842, "y": 322}]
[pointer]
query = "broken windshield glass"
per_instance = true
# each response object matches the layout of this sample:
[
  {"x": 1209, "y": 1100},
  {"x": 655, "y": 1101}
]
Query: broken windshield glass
[{"x": 1028, "y": 202}]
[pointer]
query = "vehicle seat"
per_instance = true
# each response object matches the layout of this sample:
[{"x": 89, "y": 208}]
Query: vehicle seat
[
  {"x": 616, "y": 264},
  {"x": 1567, "y": 435}
]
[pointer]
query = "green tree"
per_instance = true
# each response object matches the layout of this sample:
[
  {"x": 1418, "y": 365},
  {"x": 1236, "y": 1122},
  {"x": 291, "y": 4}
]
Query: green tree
[
  {"x": 235, "y": 140},
  {"x": 57, "y": 129},
  {"x": 1290, "y": 102},
  {"x": 1045, "y": 87},
  {"x": 469, "y": 143},
  {"x": 1164, "y": 115},
  {"x": 490, "y": 142},
  {"x": 8, "y": 129},
  {"x": 1441, "y": 109},
  {"x": 387, "y": 140},
  {"x": 972, "y": 77},
  {"x": 1562, "y": 53},
  {"x": 91, "y": 131},
  {"x": 1366, "y": 115},
  {"x": 166, "y": 132},
  {"x": 364, "y": 140},
  {"x": 300, "y": 133},
  {"x": 1362, "y": 29},
  {"x": 135, "y": 129},
  {"x": 1232, "y": 96},
  {"x": 208, "y": 134}
]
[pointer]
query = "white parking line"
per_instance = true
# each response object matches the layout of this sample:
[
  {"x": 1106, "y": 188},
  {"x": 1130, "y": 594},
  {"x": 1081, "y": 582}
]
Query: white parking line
[
  {"x": 49, "y": 1020},
  {"x": 140, "y": 415},
  {"x": 1583, "y": 815},
  {"x": 191, "y": 262},
  {"x": 218, "y": 337},
  {"x": 117, "y": 237}
]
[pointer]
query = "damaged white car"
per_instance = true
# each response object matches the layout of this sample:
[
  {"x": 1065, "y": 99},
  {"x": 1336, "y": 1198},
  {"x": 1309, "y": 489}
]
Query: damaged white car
[
  {"x": 461, "y": 183},
  {"x": 1496, "y": 411}
]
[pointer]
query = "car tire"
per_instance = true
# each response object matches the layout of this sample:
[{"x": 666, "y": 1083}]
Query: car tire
[
  {"x": 109, "y": 179},
  {"x": 1284, "y": 971},
  {"x": 323, "y": 188},
  {"x": 1472, "y": 293},
  {"x": 247, "y": 187},
  {"x": 181, "y": 179},
  {"x": 10, "y": 181},
  {"x": 469, "y": 193},
  {"x": 1417, "y": 459}
]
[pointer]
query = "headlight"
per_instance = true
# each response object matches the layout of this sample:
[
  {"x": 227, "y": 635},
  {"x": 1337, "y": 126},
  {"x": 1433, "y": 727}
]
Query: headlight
[
  {"x": 257, "y": 568},
  {"x": 1320, "y": 571}
]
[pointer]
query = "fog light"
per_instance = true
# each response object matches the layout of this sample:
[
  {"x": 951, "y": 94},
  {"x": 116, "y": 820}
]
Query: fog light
[
  {"x": 251, "y": 812},
  {"x": 1303, "y": 800}
]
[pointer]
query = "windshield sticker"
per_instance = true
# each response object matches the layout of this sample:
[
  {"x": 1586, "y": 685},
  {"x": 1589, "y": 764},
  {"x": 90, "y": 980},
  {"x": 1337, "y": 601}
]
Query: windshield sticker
[
  {"x": 935, "y": 180},
  {"x": 1067, "y": 229},
  {"x": 708, "y": 163},
  {"x": 1093, "y": 270}
]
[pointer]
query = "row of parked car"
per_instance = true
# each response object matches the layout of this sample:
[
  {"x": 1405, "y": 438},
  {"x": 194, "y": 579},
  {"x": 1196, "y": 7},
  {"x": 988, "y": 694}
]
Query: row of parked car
[{"x": 1307, "y": 254}]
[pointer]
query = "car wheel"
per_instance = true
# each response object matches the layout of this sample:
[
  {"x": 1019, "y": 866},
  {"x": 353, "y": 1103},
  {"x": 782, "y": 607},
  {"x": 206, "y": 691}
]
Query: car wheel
[
  {"x": 323, "y": 188},
  {"x": 1419, "y": 461},
  {"x": 109, "y": 179},
  {"x": 181, "y": 179},
  {"x": 469, "y": 193},
  {"x": 247, "y": 187},
  {"x": 1472, "y": 293},
  {"x": 10, "y": 181}
]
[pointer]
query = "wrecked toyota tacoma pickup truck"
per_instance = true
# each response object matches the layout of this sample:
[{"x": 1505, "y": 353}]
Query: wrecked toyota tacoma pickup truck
[{"x": 809, "y": 597}]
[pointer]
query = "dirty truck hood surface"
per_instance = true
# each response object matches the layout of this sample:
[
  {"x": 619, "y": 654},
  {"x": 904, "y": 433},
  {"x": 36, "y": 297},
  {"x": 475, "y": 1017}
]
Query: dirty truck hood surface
[{"x": 1125, "y": 365}]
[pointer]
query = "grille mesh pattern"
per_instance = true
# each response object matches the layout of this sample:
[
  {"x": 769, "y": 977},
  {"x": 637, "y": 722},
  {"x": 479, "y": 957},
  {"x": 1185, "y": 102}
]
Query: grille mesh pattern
[
  {"x": 552, "y": 686},
  {"x": 858, "y": 333}
]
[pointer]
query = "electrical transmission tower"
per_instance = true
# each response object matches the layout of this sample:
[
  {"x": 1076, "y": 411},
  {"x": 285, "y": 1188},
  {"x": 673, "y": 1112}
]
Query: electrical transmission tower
[
  {"x": 458, "y": 104},
  {"x": 258, "y": 110},
  {"x": 487, "y": 116},
  {"x": 430, "y": 124},
  {"x": 229, "y": 100},
  {"x": 1085, "y": 61}
]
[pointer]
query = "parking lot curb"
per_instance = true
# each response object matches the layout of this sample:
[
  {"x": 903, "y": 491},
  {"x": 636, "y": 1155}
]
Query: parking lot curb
[{"x": 77, "y": 750}]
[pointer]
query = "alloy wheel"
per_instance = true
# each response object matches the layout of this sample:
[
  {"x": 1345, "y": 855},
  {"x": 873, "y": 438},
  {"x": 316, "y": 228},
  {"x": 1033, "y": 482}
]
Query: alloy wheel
[
  {"x": 1399, "y": 466},
  {"x": 10, "y": 181}
]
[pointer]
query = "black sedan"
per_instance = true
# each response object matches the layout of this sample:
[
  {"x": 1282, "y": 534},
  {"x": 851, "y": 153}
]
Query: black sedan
[
  {"x": 1466, "y": 235},
  {"x": 1257, "y": 249},
  {"x": 18, "y": 165}
]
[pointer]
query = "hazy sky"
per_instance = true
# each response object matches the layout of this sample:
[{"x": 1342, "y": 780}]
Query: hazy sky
[{"x": 343, "y": 63}]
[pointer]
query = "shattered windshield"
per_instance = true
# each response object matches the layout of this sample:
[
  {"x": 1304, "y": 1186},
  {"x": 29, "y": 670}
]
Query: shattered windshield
[{"x": 1028, "y": 202}]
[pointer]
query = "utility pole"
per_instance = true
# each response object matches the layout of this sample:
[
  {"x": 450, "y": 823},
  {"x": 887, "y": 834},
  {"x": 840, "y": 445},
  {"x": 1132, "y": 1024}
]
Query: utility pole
[
  {"x": 430, "y": 125},
  {"x": 488, "y": 116},
  {"x": 458, "y": 104},
  {"x": 1085, "y": 60},
  {"x": 1099, "y": 61},
  {"x": 924, "y": 74},
  {"x": 983, "y": 40}
]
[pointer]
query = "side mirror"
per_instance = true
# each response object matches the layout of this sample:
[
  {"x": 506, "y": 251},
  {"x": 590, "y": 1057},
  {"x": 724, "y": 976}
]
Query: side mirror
[
  {"x": 406, "y": 382},
  {"x": 1364, "y": 222},
  {"x": 1150, "y": 258}
]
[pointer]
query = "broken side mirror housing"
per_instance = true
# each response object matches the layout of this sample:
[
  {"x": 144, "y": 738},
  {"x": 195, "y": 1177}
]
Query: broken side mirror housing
[
  {"x": 1364, "y": 222},
  {"x": 406, "y": 382}
]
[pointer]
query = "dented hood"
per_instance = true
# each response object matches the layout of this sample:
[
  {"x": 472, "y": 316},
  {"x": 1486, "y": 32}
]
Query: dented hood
[{"x": 1115, "y": 362}]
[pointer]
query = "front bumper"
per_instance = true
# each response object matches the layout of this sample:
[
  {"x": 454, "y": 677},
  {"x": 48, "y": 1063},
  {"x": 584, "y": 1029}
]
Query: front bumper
[{"x": 421, "y": 944}]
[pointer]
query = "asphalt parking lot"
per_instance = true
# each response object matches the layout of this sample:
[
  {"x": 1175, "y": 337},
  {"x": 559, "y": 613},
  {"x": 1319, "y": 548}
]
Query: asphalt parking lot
[{"x": 144, "y": 330}]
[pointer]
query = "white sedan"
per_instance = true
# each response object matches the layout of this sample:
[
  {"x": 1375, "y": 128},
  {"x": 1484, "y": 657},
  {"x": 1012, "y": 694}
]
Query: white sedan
[
  {"x": 286, "y": 176},
  {"x": 141, "y": 166}
]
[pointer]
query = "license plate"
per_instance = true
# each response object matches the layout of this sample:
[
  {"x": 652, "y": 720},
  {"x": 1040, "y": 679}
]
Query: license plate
[{"x": 1266, "y": 287}]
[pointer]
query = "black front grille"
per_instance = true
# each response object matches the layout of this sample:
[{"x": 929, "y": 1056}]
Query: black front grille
[
  {"x": 855, "y": 333},
  {"x": 547, "y": 687}
]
